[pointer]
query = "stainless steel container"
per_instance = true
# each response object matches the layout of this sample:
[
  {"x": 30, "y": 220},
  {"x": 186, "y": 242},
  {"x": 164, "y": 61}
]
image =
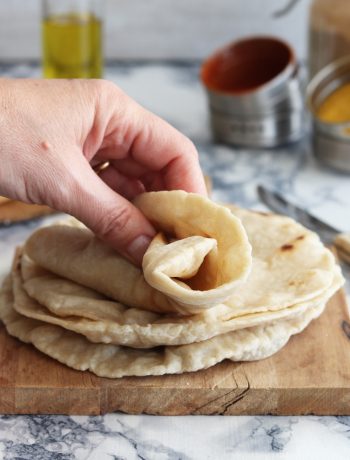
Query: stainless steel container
[
  {"x": 331, "y": 141},
  {"x": 255, "y": 93}
]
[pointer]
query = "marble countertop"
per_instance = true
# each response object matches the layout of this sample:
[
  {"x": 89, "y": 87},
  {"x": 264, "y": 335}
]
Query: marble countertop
[{"x": 174, "y": 93}]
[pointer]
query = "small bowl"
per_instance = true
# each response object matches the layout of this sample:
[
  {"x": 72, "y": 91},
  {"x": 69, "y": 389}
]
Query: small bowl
[{"x": 254, "y": 93}]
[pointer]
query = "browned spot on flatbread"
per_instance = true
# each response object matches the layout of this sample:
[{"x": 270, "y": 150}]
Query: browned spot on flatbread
[
  {"x": 290, "y": 246},
  {"x": 287, "y": 247}
]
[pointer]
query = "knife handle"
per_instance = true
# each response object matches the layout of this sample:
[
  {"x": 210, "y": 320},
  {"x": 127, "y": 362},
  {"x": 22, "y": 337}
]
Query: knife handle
[{"x": 342, "y": 243}]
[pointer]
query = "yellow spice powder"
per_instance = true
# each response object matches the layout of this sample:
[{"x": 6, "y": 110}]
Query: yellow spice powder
[{"x": 336, "y": 108}]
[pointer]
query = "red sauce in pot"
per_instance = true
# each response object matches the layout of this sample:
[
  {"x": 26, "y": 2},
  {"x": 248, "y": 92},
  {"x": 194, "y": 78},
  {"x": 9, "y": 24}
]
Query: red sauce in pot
[{"x": 246, "y": 65}]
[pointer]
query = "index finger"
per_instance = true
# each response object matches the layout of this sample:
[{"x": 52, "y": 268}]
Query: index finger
[
  {"x": 160, "y": 147},
  {"x": 149, "y": 141}
]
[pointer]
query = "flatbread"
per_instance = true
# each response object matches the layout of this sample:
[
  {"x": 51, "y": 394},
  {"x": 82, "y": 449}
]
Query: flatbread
[
  {"x": 200, "y": 269},
  {"x": 79, "y": 302},
  {"x": 74, "y": 253},
  {"x": 210, "y": 257},
  {"x": 116, "y": 361},
  {"x": 290, "y": 264},
  {"x": 54, "y": 300}
]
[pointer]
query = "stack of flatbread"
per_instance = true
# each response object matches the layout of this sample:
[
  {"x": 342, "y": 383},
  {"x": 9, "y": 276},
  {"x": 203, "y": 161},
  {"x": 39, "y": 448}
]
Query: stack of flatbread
[{"x": 216, "y": 283}]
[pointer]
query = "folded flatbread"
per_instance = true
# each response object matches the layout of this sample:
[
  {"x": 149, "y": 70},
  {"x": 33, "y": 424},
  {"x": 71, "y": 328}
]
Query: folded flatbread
[
  {"x": 290, "y": 265},
  {"x": 210, "y": 256}
]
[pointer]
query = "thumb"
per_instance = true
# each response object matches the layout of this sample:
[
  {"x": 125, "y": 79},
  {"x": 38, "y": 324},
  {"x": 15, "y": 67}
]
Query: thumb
[{"x": 110, "y": 216}]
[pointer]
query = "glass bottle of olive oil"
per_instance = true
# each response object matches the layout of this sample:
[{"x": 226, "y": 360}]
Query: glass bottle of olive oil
[{"x": 72, "y": 39}]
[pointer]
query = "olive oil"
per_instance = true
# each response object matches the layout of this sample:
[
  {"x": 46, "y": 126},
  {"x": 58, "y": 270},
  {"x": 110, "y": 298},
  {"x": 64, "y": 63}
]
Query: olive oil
[{"x": 72, "y": 46}]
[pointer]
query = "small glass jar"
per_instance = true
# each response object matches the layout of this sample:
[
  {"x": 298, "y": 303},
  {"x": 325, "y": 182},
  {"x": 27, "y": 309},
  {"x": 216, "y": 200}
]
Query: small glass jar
[
  {"x": 329, "y": 33},
  {"x": 72, "y": 38}
]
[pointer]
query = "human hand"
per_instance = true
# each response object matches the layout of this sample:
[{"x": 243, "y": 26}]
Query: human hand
[{"x": 53, "y": 132}]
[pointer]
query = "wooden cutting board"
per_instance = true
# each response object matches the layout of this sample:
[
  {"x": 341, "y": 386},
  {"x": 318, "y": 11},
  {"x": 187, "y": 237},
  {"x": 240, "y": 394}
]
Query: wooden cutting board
[{"x": 311, "y": 375}]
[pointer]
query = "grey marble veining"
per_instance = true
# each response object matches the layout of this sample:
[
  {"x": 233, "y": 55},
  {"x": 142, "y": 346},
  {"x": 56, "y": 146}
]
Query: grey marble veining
[
  {"x": 117, "y": 436},
  {"x": 174, "y": 93}
]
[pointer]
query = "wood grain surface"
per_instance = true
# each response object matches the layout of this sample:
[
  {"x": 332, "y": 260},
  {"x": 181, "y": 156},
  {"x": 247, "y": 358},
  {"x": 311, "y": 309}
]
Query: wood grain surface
[{"x": 311, "y": 375}]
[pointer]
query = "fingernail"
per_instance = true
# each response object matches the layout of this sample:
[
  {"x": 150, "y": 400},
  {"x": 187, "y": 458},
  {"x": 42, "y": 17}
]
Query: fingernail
[{"x": 138, "y": 247}]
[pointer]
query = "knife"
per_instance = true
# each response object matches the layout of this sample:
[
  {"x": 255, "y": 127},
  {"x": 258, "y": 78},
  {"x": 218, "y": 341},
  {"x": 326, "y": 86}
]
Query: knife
[{"x": 328, "y": 234}]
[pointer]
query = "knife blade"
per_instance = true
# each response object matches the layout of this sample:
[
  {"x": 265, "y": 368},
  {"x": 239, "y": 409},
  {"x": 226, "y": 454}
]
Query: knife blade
[{"x": 328, "y": 234}]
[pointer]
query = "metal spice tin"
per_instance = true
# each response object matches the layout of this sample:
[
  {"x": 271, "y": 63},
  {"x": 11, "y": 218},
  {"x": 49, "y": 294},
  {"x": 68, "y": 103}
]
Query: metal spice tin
[
  {"x": 255, "y": 93},
  {"x": 331, "y": 141}
]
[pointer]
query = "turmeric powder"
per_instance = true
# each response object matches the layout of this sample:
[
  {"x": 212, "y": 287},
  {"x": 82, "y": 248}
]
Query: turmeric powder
[{"x": 336, "y": 107}]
